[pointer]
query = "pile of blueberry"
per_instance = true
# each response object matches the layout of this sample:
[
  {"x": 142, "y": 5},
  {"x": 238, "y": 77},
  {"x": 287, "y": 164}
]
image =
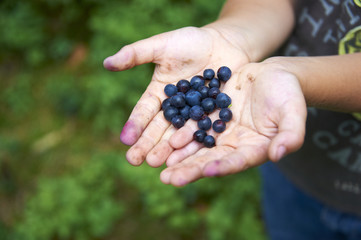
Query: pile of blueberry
[{"x": 193, "y": 99}]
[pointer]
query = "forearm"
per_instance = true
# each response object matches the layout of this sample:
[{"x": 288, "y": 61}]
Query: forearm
[
  {"x": 257, "y": 26},
  {"x": 330, "y": 82}
]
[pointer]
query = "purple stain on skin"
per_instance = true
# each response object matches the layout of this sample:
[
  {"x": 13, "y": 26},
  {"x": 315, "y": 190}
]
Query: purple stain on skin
[
  {"x": 108, "y": 64},
  {"x": 182, "y": 182},
  {"x": 122, "y": 60},
  {"x": 129, "y": 134},
  {"x": 212, "y": 169}
]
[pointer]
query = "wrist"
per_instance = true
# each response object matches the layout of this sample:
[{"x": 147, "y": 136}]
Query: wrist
[
  {"x": 328, "y": 82},
  {"x": 233, "y": 35},
  {"x": 250, "y": 25},
  {"x": 289, "y": 65}
]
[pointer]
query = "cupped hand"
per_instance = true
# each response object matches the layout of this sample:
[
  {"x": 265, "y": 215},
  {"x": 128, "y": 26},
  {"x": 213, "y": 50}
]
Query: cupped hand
[
  {"x": 179, "y": 54},
  {"x": 269, "y": 116}
]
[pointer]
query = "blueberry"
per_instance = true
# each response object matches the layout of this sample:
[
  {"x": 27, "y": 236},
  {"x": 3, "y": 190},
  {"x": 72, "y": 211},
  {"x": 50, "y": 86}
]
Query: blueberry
[
  {"x": 224, "y": 73},
  {"x": 223, "y": 100},
  {"x": 205, "y": 123},
  {"x": 214, "y": 83},
  {"x": 225, "y": 114},
  {"x": 203, "y": 90},
  {"x": 197, "y": 81},
  {"x": 183, "y": 86},
  {"x": 184, "y": 112},
  {"x": 170, "y": 112},
  {"x": 219, "y": 126},
  {"x": 208, "y": 104},
  {"x": 178, "y": 121},
  {"x": 191, "y": 90},
  {"x": 181, "y": 94},
  {"x": 208, "y": 74},
  {"x": 199, "y": 135},
  {"x": 177, "y": 101},
  {"x": 166, "y": 103},
  {"x": 213, "y": 92},
  {"x": 170, "y": 90},
  {"x": 193, "y": 98},
  {"x": 209, "y": 141},
  {"x": 196, "y": 112}
]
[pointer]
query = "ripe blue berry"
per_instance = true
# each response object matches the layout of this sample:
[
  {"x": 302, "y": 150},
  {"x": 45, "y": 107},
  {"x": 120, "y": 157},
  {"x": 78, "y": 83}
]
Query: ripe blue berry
[
  {"x": 178, "y": 121},
  {"x": 219, "y": 126},
  {"x": 170, "y": 112},
  {"x": 196, "y": 112},
  {"x": 196, "y": 82},
  {"x": 214, "y": 83},
  {"x": 199, "y": 135},
  {"x": 208, "y": 105},
  {"x": 223, "y": 100},
  {"x": 166, "y": 103},
  {"x": 208, "y": 74},
  {"x": 213, "y": 92},
  {"x": 225, "y": 114},
  {"x": 203, "y": 90},
  {"x": 193, "y": 98},
  {"x": 181, "y": 94},
  {"x": 170, "y": 90},
  {"x": 209, "y": 141},
  {"x": 177, "y": 101},
  {"x": 224, "y": 74},
  {"x": 205, "y": 123},
  {"x": 183, "y": 86},
  {"x": 184, "y": 112}
]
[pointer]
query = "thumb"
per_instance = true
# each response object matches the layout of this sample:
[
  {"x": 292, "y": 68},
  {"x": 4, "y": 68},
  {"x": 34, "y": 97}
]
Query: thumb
[
  {"x": 291, "y": 132},
  {"x": 137, "y": 53}
]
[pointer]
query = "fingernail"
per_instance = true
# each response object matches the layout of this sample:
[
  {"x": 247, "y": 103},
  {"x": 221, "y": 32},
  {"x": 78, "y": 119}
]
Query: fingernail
[{"x": 281, "y": 151}]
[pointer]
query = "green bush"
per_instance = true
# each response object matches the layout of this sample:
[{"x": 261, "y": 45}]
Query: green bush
[
  {"x": 228, "y": 207},
  {"x": 80, "y": 205}
]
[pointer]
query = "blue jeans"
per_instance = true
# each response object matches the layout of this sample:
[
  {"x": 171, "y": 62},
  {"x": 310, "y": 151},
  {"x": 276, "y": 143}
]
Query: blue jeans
[{"x": 290, "y": 214}]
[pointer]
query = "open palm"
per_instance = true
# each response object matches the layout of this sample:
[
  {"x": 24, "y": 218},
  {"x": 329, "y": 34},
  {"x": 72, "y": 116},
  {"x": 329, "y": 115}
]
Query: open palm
[
  {"x": 179, "y": 54},
  {"x": 269, "y": 115}
]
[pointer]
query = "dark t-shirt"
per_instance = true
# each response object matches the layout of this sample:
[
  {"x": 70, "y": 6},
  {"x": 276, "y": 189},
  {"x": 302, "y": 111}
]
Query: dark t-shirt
[{"x": 328, "y": 166}]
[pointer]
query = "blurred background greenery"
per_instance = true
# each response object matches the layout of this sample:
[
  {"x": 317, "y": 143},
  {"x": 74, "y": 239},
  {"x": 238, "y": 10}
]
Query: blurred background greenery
[{"x": 63, "y": 174}]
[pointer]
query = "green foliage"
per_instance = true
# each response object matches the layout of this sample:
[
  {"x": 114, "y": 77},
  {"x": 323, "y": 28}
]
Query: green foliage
[
  {"x": 79, "y": 185},
  {"x": 17, "y": 97},
  {"x": 74, "y": 206},
  {"x": 228, "y": 207},
  {"x": 162, "y": 201}
]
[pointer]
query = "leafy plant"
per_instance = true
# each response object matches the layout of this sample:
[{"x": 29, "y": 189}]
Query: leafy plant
[{"x": 74, "y": 206}]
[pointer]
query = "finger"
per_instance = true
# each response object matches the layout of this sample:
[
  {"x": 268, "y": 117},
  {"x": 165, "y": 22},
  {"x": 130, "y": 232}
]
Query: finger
[
  {"x": 144, "y": 111},
  {"x": 236, "y": 161},
  {"x": 161, "y": 151},
  {"x": 150, "y": 137},
  {"x": 140, "y": 52},
  {"x": 181, "y": 175},
  {"x": 184, "y": 135},
  {"x": 181, "y": 154},
  {"x": 191, "y": 168},
  {"x": 291, "y": 131}
]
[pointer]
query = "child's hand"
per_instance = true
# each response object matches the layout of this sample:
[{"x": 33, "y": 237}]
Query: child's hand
[
  {"x": 269, "y": 115},
  {"x": 179, "y": 54}
]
